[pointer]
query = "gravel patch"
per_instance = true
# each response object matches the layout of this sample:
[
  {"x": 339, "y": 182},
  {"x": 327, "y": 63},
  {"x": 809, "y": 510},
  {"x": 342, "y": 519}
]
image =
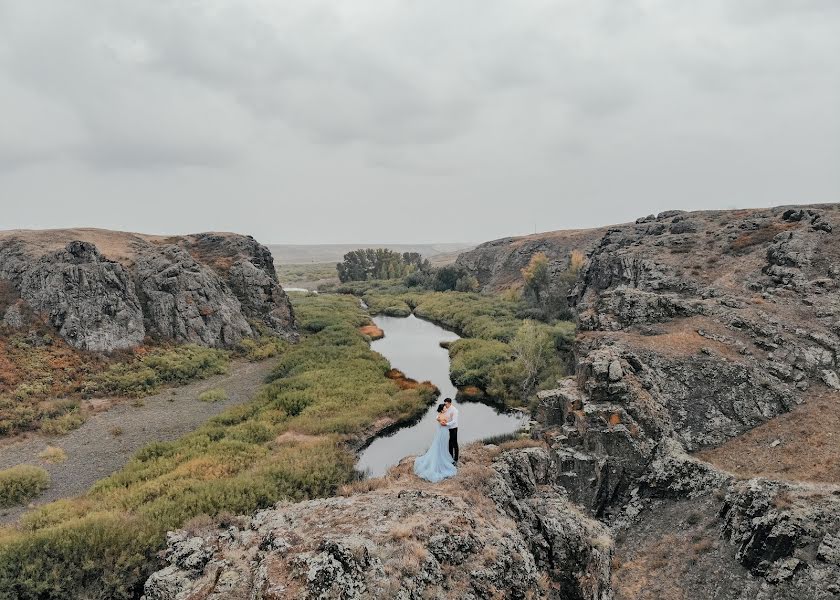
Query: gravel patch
[{"x": 94, "y": 451}]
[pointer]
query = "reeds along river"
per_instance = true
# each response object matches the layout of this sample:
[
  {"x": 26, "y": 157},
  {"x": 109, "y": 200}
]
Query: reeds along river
[{"x": 412, "y": 345}]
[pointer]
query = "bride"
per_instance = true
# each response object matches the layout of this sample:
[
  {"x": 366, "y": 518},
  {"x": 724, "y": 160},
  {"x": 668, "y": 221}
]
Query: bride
[{"x": 436, "y": 464}]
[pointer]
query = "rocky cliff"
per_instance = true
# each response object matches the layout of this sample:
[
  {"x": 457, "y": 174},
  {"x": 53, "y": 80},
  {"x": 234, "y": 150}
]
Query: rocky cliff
[
  {"x": 105, "y": 290},
  {"x": 695, "y": 328}
]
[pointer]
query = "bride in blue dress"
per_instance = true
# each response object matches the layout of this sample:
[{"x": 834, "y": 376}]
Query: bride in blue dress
[{"x": 437, "y": 463}]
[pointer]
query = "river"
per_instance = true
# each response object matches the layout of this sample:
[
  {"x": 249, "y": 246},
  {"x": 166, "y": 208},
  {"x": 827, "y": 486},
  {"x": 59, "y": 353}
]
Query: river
[{"x": 412, "y": 345}]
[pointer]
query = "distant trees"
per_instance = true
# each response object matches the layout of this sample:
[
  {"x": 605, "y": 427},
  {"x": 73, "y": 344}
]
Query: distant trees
[
  {"x": 443, "y": 279},
  {"x": 379, "y": 263}
]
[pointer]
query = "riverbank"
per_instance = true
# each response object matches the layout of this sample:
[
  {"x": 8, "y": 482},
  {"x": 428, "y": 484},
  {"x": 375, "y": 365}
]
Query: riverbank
[
  {"x": 503, "y": 354},
  {"x": 414, "y": 345}
]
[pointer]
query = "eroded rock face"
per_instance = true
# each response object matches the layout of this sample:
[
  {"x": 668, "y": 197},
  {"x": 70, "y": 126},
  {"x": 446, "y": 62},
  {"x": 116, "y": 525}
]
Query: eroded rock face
[
  {"x": 785, "y": 532},
  {"x": 504, "y": 539},
  {"x": 89, "y": 300},
  {"x": 209, "y": 289},
  {"x": 186, "y": 301},
  {"x": 693, "y": 329}
]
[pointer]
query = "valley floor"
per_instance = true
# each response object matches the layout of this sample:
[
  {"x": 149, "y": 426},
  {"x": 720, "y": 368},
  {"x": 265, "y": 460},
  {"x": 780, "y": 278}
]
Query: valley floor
[{"x": 109, "y": 439}]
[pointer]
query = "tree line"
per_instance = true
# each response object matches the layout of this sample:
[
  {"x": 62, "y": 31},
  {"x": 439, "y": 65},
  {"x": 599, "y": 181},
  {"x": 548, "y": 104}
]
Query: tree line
[{"x": 379, "y": 263}]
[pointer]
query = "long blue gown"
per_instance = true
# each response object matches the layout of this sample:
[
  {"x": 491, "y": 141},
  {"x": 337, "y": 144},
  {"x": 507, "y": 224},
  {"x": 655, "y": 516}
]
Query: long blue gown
[{"x": 437, "y": 463}]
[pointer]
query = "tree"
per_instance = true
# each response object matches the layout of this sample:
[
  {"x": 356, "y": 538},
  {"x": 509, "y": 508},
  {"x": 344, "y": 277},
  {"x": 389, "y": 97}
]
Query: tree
[
  {"x": 532, "y": 346},
  {"x": 446, "y": 278},
  {"x": 379, "y": 263},
  {"x": 536, "y": 278}
]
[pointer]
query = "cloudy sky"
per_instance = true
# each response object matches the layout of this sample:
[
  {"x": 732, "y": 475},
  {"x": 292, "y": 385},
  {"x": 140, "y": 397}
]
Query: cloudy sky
[{"x": 411, "y": 121}]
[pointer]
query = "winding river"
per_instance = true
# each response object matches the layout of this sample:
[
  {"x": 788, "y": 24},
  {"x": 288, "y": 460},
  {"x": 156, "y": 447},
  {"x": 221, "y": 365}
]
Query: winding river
[{"x": 412, "y": 345}]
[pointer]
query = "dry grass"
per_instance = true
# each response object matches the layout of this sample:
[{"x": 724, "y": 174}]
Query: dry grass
[
  {"x": 406, "y": 383},
  {"x": 680, "y": 338},
  {"x": 114, "y": 245},
  {"x": 809, "y": 448},
  {"x": 372, "y": 331},
  {"x": 747, "y": 240},
  {"x": 52, "y": 455}
]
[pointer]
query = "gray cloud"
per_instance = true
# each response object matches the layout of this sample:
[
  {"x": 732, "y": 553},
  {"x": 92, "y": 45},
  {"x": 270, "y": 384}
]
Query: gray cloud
[{"x": 498, "y": 115}]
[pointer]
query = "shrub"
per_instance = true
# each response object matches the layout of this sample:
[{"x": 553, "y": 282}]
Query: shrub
[
  {"x": 536, "y": 277},
  {"x": 260, "y": 348},
  {"x": 472, "y": 361},
  {"x": 146, "y": 374},
  {"x": 63, "y": 424},
  {"x": 22, "y": 483},
  {"x": 52, "y": 455},
  {"x": 213, "y": 395}
]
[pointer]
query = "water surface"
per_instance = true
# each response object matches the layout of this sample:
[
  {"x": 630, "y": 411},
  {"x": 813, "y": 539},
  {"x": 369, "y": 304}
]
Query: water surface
[{"x": 412, "y": 345}]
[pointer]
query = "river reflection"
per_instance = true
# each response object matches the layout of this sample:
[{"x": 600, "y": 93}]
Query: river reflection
[{"x": 412, "y": 345}]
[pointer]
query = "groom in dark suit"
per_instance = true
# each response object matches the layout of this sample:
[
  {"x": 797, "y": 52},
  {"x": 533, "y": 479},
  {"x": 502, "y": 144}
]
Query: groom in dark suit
[{"x": 451, "y": 416}]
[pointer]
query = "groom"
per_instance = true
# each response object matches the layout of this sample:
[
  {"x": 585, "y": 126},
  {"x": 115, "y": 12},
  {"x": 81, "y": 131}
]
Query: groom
[{"x": 451, "y": 415}]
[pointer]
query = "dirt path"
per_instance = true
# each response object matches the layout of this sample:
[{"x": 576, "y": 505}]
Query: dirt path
[{"x": 94, "y": 452}]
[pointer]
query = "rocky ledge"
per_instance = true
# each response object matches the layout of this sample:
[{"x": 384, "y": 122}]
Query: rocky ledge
[
  {"x": 208, "y": 289},
  {"x": 501, "y": 529}
]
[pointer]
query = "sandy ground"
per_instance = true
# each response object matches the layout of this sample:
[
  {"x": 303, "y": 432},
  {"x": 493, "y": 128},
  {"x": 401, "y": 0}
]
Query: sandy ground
[{"x": 94, "y": 452}]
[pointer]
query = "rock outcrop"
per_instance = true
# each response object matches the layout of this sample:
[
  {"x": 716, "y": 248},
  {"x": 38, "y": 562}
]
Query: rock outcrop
[
  {"x": 91, "y": 301},
  {"x": 503, "y": 530},
  {"x": 209, "y": 289},
  {"x": 693, "y": 329}
]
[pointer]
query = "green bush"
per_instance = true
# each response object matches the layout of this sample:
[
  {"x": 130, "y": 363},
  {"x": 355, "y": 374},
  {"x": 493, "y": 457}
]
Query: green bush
[
  {"x": 260, "y": 348},
  {"x": 22, "y": 483},
  {"x": 80, "y": 558},
  {"x": 146, "y": 374},
  {"x": 63, "y": 424},
  {"x": 473, "y": 361},
  {"x": 213, "y": 395}
]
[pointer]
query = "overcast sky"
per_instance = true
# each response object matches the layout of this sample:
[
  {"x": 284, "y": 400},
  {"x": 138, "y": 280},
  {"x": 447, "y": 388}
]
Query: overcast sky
[{"x": 411, "y": 121}]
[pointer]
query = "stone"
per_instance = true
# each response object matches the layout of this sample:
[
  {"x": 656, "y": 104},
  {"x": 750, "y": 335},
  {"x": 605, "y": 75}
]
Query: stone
[
  {"x": 186, "y": 301},
  {"x": 13, "y": 317},
  {"x": 91, "y": 301},
  {"x": 829, "y": 549},
  {"x": 831, "y": 379},
  {"x": 615, "y": 371}
]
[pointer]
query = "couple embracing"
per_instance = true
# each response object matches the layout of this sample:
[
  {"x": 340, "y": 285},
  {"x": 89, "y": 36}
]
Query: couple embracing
[{"x": 440, "y": 459}]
